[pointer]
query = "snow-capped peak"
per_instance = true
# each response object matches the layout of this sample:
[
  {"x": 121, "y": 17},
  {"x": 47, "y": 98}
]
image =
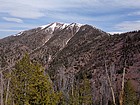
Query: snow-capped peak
[{"x": 61, "y": 26}]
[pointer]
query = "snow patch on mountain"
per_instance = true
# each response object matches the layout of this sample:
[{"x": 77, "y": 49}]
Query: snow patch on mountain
[
  {"x": 76, "y": 24},
  {"x": 64, "y": 25},
  {"x": 68, "y": 41},
  {"x": 44, "y": 26},
  {"x": 112, "y": 33},
  {"x": 53, "y": 26},
  {"x": 18, "y": 33}
]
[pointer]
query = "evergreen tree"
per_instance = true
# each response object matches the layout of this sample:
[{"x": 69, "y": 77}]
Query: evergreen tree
[
  {"x": 85, "y": 92},
  {"x": 129, "y": 95},
  {"x": 30, "y": 86},
  {"x": 81, "y": 94},
  {"x": 74, "y": 95}
]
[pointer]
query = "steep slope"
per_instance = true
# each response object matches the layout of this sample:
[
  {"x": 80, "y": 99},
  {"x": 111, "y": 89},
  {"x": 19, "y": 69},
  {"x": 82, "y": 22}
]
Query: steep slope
[
  {"x": 14, "y": 47},
  {"x": 55, "y": 44},
  {"x": 88, "y": 52}
]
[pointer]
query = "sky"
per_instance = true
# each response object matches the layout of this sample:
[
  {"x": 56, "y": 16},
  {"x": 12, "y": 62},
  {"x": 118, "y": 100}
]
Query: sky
[{"x": 107, "y": 15}]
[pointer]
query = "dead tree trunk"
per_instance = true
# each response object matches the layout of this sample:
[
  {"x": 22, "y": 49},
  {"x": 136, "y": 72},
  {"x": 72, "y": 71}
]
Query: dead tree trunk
[
  {"x": 11, "y": 64},
  {"x": 122, "y": 90},
  {"x": 7, "y": 90},
  {"x": 1, "y": 100},
  {"x": 110, "y": 84}
]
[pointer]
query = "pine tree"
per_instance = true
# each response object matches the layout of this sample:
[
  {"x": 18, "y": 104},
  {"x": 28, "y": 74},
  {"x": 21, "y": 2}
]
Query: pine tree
[
  {"x": 85, "y": 92},
  {"x": 129, "y": 94},
  {"x": 30, "y": 85},
  {"x": 81, "y": 94},
  {"x": 74, "y": 95}
]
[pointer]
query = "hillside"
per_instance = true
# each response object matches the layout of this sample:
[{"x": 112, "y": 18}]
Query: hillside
[{"x": 68, "y": 52}]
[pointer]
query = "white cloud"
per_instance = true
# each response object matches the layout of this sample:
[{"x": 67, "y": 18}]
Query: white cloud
[
  {"x": 26, "y": 13},
  {"x": 13, "y": 19},
  {"x": 128, "y": 26},
  {"x": 38, "y": 8},
  {"x": 8, "y": 30},
  {"x": 33, "y": 9},
  {"x": 134, "y": 13},
  {"x": 7, "y": 26},
  {"x": 22, "y": 9}
]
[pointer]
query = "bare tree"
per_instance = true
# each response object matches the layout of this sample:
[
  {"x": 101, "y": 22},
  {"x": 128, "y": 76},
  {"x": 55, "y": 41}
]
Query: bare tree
[
  {"x": 122, "y": 90},
  {"x": 11, "y": 64},
  {"x": 7, "y": 91},
  {"x": 110, "y": 83},
  {"x": 1, "y": 78}
]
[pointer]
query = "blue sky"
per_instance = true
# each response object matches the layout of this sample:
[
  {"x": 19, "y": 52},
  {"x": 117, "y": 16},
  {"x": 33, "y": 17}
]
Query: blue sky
[{"x": 108, "y": 15}]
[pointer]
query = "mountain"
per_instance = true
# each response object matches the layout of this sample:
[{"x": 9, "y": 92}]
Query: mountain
[{"x": 70, "y": 51}]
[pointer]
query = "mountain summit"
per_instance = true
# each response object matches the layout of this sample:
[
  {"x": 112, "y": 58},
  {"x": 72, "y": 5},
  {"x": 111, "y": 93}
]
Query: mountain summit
[{"x": 61, "y": 26}]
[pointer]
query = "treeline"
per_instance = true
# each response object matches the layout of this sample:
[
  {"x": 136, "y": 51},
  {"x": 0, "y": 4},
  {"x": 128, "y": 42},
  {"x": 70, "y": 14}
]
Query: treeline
[{"x": 29, "y": 84}]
